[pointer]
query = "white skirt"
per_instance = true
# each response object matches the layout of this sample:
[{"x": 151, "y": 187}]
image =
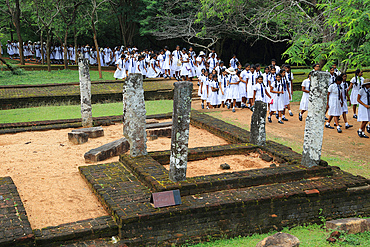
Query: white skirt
[
  {"x": 199, "y": 70},
  {"x": 185, "y": 69},
  {"x": 345, "y": 107},
  {"x": 243, "y": 90},
  {"x": 120, "y": 74},
  {"x": 233, "y": 92},
  {"x": 363, "y": 114},
  {"x": 151, "y": 73},
  {"x": 353, "y": 97},
  {"x": 174, "y": 65},
  {"x": 222, "y": 97},
  {"x": 335, "y": 108},
  {"x": 213, "y": 98},
  {"x": 278, "y": 102},
  {"x": 286, "y": 98},
  {"x": 166, "y": 64},
  {"x": 304, "y": 102},
  {"x": 250, "y": 91},
  {"x": 204, "y": 95}
]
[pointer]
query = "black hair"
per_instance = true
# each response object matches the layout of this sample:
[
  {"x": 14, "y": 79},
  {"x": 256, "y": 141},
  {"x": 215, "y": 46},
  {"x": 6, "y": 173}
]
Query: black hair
[
  {"x": 246, "y": 65},
  {"x": 273, "y": 60},
  {"x": 313, "y": 66},
  {"x": 252, "y": 66},
  {"x": 279, "y": 75},
  {"x": 260, "y": 77},
  {"x": 273, "y": 68},
  {"x": 214, "y": 76},
  {"x": 331, "y": 68},
  {"x": 287, "y": 66},
  {"x": 257, "y": 65},
  {"x": 184, "y": 49},
  {"x": 203, "y": 69},
  {"x": 166, "y": 47},
  {"x": 238, "y": 72},
  {"x": 339, "y": 78},
  {"x": 222, "y": 70},
  {"x": 309, "y": 74},
  {"x": 237, "y": 63},
  {"x": 267, "y": 67},
  {"x": 357, "y": 72},
  {"x": 123, "y": 56},
  {"x": 234, "y": 55},
  {"x": 221, "y": 62}
]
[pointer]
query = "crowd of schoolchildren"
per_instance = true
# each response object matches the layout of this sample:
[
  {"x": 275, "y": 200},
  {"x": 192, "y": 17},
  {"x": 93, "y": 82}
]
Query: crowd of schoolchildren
[{"x": 227, "y": 85}]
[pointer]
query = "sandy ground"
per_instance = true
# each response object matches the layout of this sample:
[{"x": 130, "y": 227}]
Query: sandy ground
[
  {"x": 212, "y": 165},
  {"x": 44, "y": 167}
]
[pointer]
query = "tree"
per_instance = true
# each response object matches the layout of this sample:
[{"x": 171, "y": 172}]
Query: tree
[{"x": 15, "y": 12}]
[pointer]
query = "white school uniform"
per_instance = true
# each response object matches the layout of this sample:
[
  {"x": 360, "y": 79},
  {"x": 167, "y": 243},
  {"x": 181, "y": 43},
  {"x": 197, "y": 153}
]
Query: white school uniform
[
  {"x": 205, "y": 82},
  {"x": 108, "y": 55},
  {"x": 214, "y": 95},
  {"x": 305, "y": 96},
  {"x": 233, "y": 62},
  {"x": 266, "y": 84},
  {"x": 201, "y": 65},
  {"x": 335, "y": 109},
  {"x": 250, "y": 84},
  {"x": 243, "y": 86},
  {"x": 233, "y": 90},
  {"x": 185, "y": 67},
  {"x": 277, "y": 98},
  {"x": 86, "y": 51},
  {"x": 16, "y": 48},
  {"x": 332, "y": 79},
  {"x": 212, "y": 64},
  {"x": 357, "y": 82},
  {"x": 120, "y": 74},
  {"x": 200, "y": 79},
  {"x": 176, "y": 55},
  {"x": 344, "y": 87},
  {"x": 290, "y": 78},
  {"x": 260, "y": 90},
  {"x": 131, "y": 65},
  {"x": 167, "y": 60},
  {"x": 10, "y": 49},
  {"x": 93, "y": 58},
  {"x": 151, "y": 72},
  {"x": 277, "y": 69},
  {"x": 192, "y": 71},
  {"x": 223, "y": 83},
  {"x": 285, "y": 88},
  {"x": 363, "y": 112},
  {"x": 337, "y": 72},
  {"x": 160, "y": 58},
  {"x": 38, "y": 51}
]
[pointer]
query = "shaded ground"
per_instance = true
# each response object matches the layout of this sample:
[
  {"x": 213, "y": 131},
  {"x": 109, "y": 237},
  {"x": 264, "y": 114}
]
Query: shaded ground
[{"x": 346, "y": 146}]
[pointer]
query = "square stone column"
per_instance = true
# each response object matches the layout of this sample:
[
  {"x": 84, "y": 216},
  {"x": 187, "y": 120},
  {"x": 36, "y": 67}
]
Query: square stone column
[
  {"x": 134, "y": 114},
  {"x": 180, "y": 130},
  {"x": 258, "y": 124},
  {"x": 315, "y": 121},
  {"x": 85, "y": 92}
]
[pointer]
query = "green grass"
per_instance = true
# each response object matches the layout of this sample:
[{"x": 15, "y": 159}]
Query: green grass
[
  {"x": 309, "y": 236},
  {"x": 73, "y": 111},
  {"x": 45, "y": 77}
]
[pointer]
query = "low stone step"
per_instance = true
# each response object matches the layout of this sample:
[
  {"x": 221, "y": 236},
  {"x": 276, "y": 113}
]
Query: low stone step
[
  {"x": 93, "y": 132},
  {"x": 107, "y": 151},
  {"x": 159, "y": 132},
  {"x": 349, "y": 225},
  {"x": 151, "y": 121},
  {"x": 78, "y": 137},
  {"x": 158, "y": 125}
]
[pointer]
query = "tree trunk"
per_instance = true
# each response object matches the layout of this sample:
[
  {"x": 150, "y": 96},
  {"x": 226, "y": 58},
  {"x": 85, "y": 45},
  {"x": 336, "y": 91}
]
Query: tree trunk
[
  {"x": 42, "y": 49},
  {"x": 17, "y": 24},
  {"x": 48, "y": 41},
  {"x": 65, "y": 50},
  {"x": 97, "y": 48},
  {"x": 75, "y": 43}
]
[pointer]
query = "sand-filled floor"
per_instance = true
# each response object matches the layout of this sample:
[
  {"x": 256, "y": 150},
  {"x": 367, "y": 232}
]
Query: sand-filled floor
[
  {"x": 44, "y": 167},
  {"x": 211, "y": 165}
]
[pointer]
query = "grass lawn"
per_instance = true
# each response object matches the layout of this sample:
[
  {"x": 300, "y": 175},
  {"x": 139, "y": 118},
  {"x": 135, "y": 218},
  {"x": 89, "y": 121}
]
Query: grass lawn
[
  {"x": 74, "y": 111},
  {"x": 45, "y": 77},
  {"x": 311, "y": 235}
]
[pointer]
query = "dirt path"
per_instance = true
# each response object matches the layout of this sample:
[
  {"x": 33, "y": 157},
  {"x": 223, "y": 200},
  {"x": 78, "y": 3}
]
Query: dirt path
[{"x": 345, "y": 145}]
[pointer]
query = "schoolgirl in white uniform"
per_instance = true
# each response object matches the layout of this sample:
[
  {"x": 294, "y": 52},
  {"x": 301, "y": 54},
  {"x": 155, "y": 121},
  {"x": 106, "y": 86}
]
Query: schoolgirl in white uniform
[
  {"x": 176, "y": 67},
  {"x": 10, "y": 49},
  {"x": 212, "y": 61},
  {"x": 286, "y": 94},
  {"x": 244, "y": 79},
  {"x": 273, "y": 64},
  {"x": 335, "y": 103},
  {"x": 167, "y": 63},
  {"x": 303, "y": 106},
  {"x": 332, "y": 76},
  {"x": 250, "y": 83},
  {"x": 363, "y": 99},
  {"x": 277, "y": 92},
  {"x": 153, "y": 70},
  {"x": 223, "y": 81},
  {"x": 290, "y": 77},
  {"x": 192, "y": 53},
  {"x": 38, "y": 51},
  {"x": 345, "y": 96},
  {"x": 160, "y": 59},
  {"x": 260, "y": 91},
  {"x": 131, "y": 64},
  {"x": 204, "y": 88},
  {"x": 108, "y": 55},
  {"x": 192, "y": 71},
  {"x": 215, "y": 92},
  {"x": 200, "y": 79},
  {"x": 102, "y": 57},
  {"x": 233, "y": 90},
  {"x": 220, "y": 67},
  {"x": 265, "y": 76},
  {"x": 120, "y": 72},
  {"x": 336, "y": 71},
  {"x": 185, "y": 68},
  {"x": 200, "y": 63},
  {"x": 93, "y": 57},
  {"x": 233, "y": 62},
  {"x": 355, "y": 85}
]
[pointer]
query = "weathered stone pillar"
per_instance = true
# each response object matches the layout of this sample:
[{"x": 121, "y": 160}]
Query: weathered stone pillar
[
  {"x": 258, "y": 122},
  {"x": 85, "y": 91},
  {"x": 180, "y": 130},
  {"x": 134, "y": 114},
  {"x": 315, "y": 121}
]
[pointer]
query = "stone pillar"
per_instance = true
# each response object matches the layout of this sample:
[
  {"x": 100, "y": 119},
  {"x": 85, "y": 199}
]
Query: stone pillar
[
  {"x": 134, "y": 114},
  {"x": 85, "y": 91},
  {"x": 180, "y": 130},
  {"x": 315, "y": 121},
  {"x": 258, "y": 122}
]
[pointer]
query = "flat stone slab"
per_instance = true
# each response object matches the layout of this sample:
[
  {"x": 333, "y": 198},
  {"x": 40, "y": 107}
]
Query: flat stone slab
[
  {"x": 15, "y": 229},
  {"x": 93, "y": 132},
  {"x": 349, "y": 225},
  {"x": 78, "y": 137},
  {"x": 159, "y": 132},
  {"x": 107, "y": 151},
  {"x": 151, "y": 121},
  {"x": 158, "y": 125}
]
